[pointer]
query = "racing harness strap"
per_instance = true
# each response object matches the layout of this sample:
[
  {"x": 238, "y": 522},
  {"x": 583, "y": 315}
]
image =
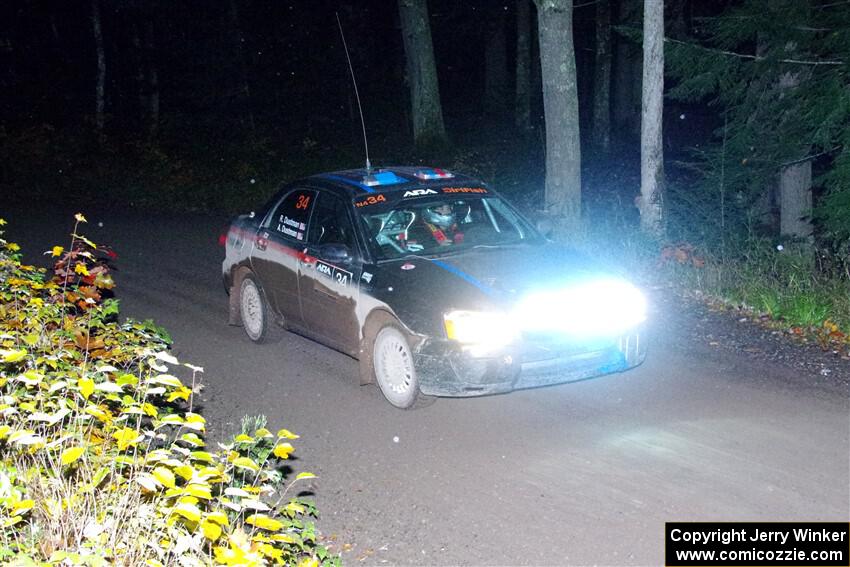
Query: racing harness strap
[{"x": 438, "y": 234}]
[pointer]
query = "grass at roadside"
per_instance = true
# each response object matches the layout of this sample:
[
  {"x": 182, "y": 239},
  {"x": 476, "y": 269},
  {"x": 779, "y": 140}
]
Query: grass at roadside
[{"x": 784, "y": 287}]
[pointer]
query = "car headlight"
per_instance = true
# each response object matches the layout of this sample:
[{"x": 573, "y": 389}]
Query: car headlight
[
  {"x": 594, "y": 308},
  {"x": 488, "y": 330}
]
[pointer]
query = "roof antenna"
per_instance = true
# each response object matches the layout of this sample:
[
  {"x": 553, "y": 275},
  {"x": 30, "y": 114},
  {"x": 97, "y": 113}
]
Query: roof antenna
[{"x": 356, "y": 94}]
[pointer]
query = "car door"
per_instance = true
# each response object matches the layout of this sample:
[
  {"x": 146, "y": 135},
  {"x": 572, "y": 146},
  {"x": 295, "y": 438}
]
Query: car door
[
  {"x": 279, "y": 246},
  {"x": 328, "y": 280}
]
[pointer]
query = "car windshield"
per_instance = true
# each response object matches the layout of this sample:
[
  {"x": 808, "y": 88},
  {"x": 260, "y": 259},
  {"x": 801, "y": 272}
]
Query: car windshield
[{"x": 442, "y": 225}]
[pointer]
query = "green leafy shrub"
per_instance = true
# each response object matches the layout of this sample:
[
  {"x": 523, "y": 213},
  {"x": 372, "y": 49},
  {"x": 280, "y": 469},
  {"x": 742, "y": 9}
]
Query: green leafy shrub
[
  {"x": 783, "y": 283},
  {"x": 103, "y": 459}
]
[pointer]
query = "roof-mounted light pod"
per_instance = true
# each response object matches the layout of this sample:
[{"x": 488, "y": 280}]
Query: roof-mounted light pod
[
  {"x": 383, "y": 178},
  {"x": 426, "y": 174}
]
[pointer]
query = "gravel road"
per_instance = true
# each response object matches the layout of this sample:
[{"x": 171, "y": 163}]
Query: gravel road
[{"x": 723, "y": 422}]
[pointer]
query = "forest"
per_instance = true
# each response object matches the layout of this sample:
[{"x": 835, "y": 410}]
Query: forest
[{"x": 197, "y": 106}]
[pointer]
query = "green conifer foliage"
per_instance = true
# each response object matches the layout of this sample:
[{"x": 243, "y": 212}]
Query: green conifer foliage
[{"x": 777, "y": 70}]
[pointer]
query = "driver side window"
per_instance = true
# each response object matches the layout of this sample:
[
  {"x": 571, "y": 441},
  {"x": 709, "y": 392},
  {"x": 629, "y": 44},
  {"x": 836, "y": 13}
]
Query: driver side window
[
  {"x": 290, "y": 218},
  {"x": 330, "y": 223}
]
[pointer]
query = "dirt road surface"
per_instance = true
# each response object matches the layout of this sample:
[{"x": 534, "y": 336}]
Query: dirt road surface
[{"x": 577, "y": 474}]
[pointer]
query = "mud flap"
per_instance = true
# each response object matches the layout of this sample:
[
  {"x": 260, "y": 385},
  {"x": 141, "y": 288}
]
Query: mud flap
[
  {"x": 365, "y": 360},
  {"x": 233, "y": 317}
]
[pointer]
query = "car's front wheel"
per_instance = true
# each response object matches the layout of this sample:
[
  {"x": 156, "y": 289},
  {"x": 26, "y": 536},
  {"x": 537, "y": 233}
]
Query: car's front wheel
[
  {"x": 393, "y": 365},
  {"x": 253, "y": 309}
]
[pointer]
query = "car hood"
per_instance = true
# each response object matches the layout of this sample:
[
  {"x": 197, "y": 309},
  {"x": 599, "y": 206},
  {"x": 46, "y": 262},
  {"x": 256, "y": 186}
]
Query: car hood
[{"x": 421, "y": 289}]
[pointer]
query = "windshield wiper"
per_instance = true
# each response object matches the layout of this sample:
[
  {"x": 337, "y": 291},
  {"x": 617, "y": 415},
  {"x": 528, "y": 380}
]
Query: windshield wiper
[
  {"x": 502, "y": 245},
  {"x": 408, "y": 256}
]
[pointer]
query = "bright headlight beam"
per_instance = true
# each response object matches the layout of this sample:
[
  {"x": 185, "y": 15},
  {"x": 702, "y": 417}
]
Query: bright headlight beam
[
  {"x": 590, "y": 309},
  {"x": 593, "y": 309},
  {"x": 491, "y": 329}
]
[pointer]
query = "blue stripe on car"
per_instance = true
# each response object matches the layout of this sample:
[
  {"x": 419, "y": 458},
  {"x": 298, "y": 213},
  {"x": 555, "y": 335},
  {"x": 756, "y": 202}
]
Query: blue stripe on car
[
  {"x": 349, "y": 181},
  {"x": 464, "y": 276}
]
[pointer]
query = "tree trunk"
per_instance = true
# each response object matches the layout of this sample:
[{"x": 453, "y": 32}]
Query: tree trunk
[
  {"x": 522, "y": 117},
  {"x": 153, "y": 81},
  {"x": 139, "y": 60},
  {"x": 627, "y": 73},
  {"x": 795, "y": 181},
  {"x": 244, "y": 89},
  {"x": 651, "y": 143},
  {"x": 496, "y": 65},
  {"x": 795, "y": 200},
  {"x": 54, "y": 29},
  {"x": 100, "y": 87},
  {"x": 147, "y": 78},
  {"x": 426, "y": 110},
  {"x": 560, "y": 105},
  {"x": 678, "y": 23},
  {"x": 602, "y": 78}
]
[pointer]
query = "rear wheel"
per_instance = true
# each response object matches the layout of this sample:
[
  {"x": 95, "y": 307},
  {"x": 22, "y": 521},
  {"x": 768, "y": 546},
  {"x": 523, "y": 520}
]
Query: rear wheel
[
  {"x": 392, "y": 362},
  {"x": 253, "y": 309}
]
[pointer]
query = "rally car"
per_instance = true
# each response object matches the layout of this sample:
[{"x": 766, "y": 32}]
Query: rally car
[{"x": 436, "y": 284}]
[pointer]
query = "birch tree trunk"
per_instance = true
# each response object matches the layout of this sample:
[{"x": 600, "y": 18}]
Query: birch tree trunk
[
  {"x": 560, "y": 105},
  {"x": 100, "y": 86},
  {"x": 651, "y": 144},
  {"x": 426, "y": 110},
  {"x": 602, "y": 78},
  {"x": 522, "y": 116}
]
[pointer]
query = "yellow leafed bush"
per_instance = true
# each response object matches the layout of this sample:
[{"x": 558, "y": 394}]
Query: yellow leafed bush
[{"x": 101, "y": 458}]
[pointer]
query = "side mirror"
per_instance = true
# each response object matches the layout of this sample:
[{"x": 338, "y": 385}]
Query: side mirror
[
  {"x": 335, "y": 253},
  {"x": 545, "y": 227}
]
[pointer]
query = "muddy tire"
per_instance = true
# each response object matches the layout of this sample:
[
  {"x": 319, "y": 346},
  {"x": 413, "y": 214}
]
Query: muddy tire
[
  {"x": 253, "y": 309},
  {"x": 392, "y": 364}
]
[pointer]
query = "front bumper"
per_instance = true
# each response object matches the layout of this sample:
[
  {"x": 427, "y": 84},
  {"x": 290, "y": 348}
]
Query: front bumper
[{"x": 445, "y": 369}]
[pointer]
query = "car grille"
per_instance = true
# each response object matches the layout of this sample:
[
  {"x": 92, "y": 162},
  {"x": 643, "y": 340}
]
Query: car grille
[{"x": 544, "y": 346}]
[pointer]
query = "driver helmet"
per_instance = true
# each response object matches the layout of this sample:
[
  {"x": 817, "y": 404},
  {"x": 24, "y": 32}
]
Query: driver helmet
[{"x": 440, "y": 215}]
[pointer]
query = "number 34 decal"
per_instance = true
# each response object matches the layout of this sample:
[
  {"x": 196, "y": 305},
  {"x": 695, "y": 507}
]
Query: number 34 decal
[
  {"x": 303, "y": 202},
  {"x": 338, "y": 275}
]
